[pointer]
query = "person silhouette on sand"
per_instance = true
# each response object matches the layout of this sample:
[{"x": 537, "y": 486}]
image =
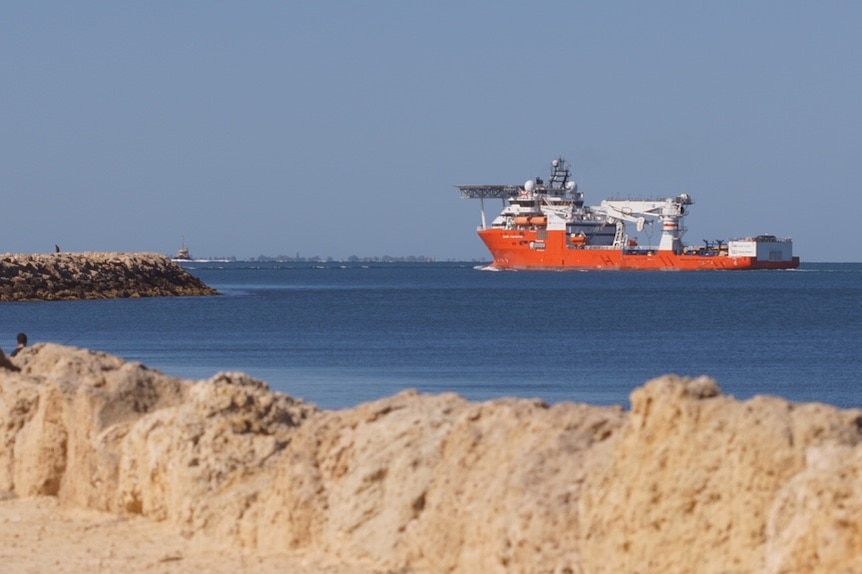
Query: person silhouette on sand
[{"x": 22, "y": 342}]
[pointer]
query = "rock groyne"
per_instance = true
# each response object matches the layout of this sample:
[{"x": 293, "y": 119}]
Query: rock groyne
[
  {"x": 687, "y": 481},
  {"x": 94, "y": 275}
]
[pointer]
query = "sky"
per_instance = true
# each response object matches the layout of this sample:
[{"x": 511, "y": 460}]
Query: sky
[{"x": 341, "y": 128}]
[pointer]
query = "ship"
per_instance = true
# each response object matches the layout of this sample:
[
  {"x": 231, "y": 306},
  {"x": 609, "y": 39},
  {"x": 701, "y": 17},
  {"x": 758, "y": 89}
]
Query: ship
[
  {"x": 183, "y": 254},
  {"x": 548, "y": 226}
]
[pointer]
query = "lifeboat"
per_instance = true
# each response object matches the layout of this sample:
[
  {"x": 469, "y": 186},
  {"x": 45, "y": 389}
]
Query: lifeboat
[
  {"x": 578, "y": 239},
  {"x": 539, "y": 221}
]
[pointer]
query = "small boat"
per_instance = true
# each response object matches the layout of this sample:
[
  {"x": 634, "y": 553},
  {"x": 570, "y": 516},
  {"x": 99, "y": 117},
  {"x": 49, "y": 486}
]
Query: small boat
[{"x": 182, "y": 254}]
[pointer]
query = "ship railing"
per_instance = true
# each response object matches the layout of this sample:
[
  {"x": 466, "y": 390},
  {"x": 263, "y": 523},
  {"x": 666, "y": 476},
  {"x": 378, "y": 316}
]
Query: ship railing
[
  {"x": 488, "y": 191},
  {"x": 602, "y": 247},
  {"x": 764, "y": 239}
]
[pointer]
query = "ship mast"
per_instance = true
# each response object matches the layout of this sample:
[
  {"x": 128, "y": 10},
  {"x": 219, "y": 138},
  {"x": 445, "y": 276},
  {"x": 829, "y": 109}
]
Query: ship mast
[{"x": 559, "y": 175}]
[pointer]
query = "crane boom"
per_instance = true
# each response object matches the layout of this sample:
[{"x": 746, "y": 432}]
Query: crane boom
[{"x": 669, "y": 211}]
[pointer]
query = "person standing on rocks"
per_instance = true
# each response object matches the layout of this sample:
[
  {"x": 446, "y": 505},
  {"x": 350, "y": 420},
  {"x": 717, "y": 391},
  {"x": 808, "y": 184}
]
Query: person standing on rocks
[{"x": 22, "y": 342}]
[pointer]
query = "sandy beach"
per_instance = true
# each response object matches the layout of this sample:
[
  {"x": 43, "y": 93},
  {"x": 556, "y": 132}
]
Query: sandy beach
[{"x": 37, "y": 536}]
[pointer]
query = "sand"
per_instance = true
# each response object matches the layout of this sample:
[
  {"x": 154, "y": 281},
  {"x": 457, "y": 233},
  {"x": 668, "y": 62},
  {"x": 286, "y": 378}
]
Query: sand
[{"x": 37, "y": 536}]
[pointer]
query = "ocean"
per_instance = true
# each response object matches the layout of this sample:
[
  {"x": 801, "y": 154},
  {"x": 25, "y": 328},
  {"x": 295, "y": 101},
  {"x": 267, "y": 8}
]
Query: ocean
[{"x": 339, "y": 334}]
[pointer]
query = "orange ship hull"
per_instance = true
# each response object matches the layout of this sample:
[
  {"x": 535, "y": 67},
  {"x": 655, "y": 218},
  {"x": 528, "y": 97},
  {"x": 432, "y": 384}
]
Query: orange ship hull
[{"x": 553, "y": 250}]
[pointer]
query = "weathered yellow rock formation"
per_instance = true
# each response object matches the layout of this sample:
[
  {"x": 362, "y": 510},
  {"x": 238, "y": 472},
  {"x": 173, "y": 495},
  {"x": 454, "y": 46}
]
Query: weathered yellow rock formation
[{"x": 688, "y": 481}]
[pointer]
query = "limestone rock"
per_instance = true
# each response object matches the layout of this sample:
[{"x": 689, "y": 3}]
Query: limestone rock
[
  {"x": 689, "y": 481},
  {"x": 696, "y": 482}
]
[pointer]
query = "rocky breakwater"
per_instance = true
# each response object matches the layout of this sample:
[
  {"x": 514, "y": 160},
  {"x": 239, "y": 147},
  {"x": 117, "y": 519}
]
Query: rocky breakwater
[
  {"x": 63, "y": 276},
  {"x": 689, "y": 480}
]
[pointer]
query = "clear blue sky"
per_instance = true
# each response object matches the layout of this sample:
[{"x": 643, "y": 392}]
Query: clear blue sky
[{"x": 340, "y": 128}]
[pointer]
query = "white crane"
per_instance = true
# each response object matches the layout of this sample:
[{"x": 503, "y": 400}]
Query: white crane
[{"x": 669, "y": 211}]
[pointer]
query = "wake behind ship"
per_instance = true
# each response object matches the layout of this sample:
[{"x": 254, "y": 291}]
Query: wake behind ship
[{"x": 547, "y": 226}]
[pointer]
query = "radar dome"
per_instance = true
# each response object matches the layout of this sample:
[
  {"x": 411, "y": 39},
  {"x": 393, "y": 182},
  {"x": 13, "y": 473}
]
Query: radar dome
[
  {"x": 571, "y": 185},
  {"x": 555, "y": 163},
  {"x": 529, "y": 186}
]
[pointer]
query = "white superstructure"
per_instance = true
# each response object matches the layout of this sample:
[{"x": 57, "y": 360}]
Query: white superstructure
[{"x": 763, "y": 247}]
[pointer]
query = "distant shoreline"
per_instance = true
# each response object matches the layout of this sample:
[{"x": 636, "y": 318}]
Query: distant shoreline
[
  {"x": 315, "y": 259},
  {"x": 319, "y": 259}
]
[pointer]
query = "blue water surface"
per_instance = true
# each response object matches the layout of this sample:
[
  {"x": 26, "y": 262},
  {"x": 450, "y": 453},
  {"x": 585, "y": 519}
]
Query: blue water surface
[{"x": 340, "y": 334}]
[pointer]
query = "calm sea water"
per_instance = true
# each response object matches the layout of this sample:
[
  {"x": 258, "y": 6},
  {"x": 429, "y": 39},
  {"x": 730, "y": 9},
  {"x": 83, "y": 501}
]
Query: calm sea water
[{"x": 341, "y": 334}]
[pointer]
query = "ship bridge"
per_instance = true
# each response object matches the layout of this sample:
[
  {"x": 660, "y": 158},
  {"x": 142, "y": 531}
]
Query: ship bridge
[{"x": 558, "y": 186}]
